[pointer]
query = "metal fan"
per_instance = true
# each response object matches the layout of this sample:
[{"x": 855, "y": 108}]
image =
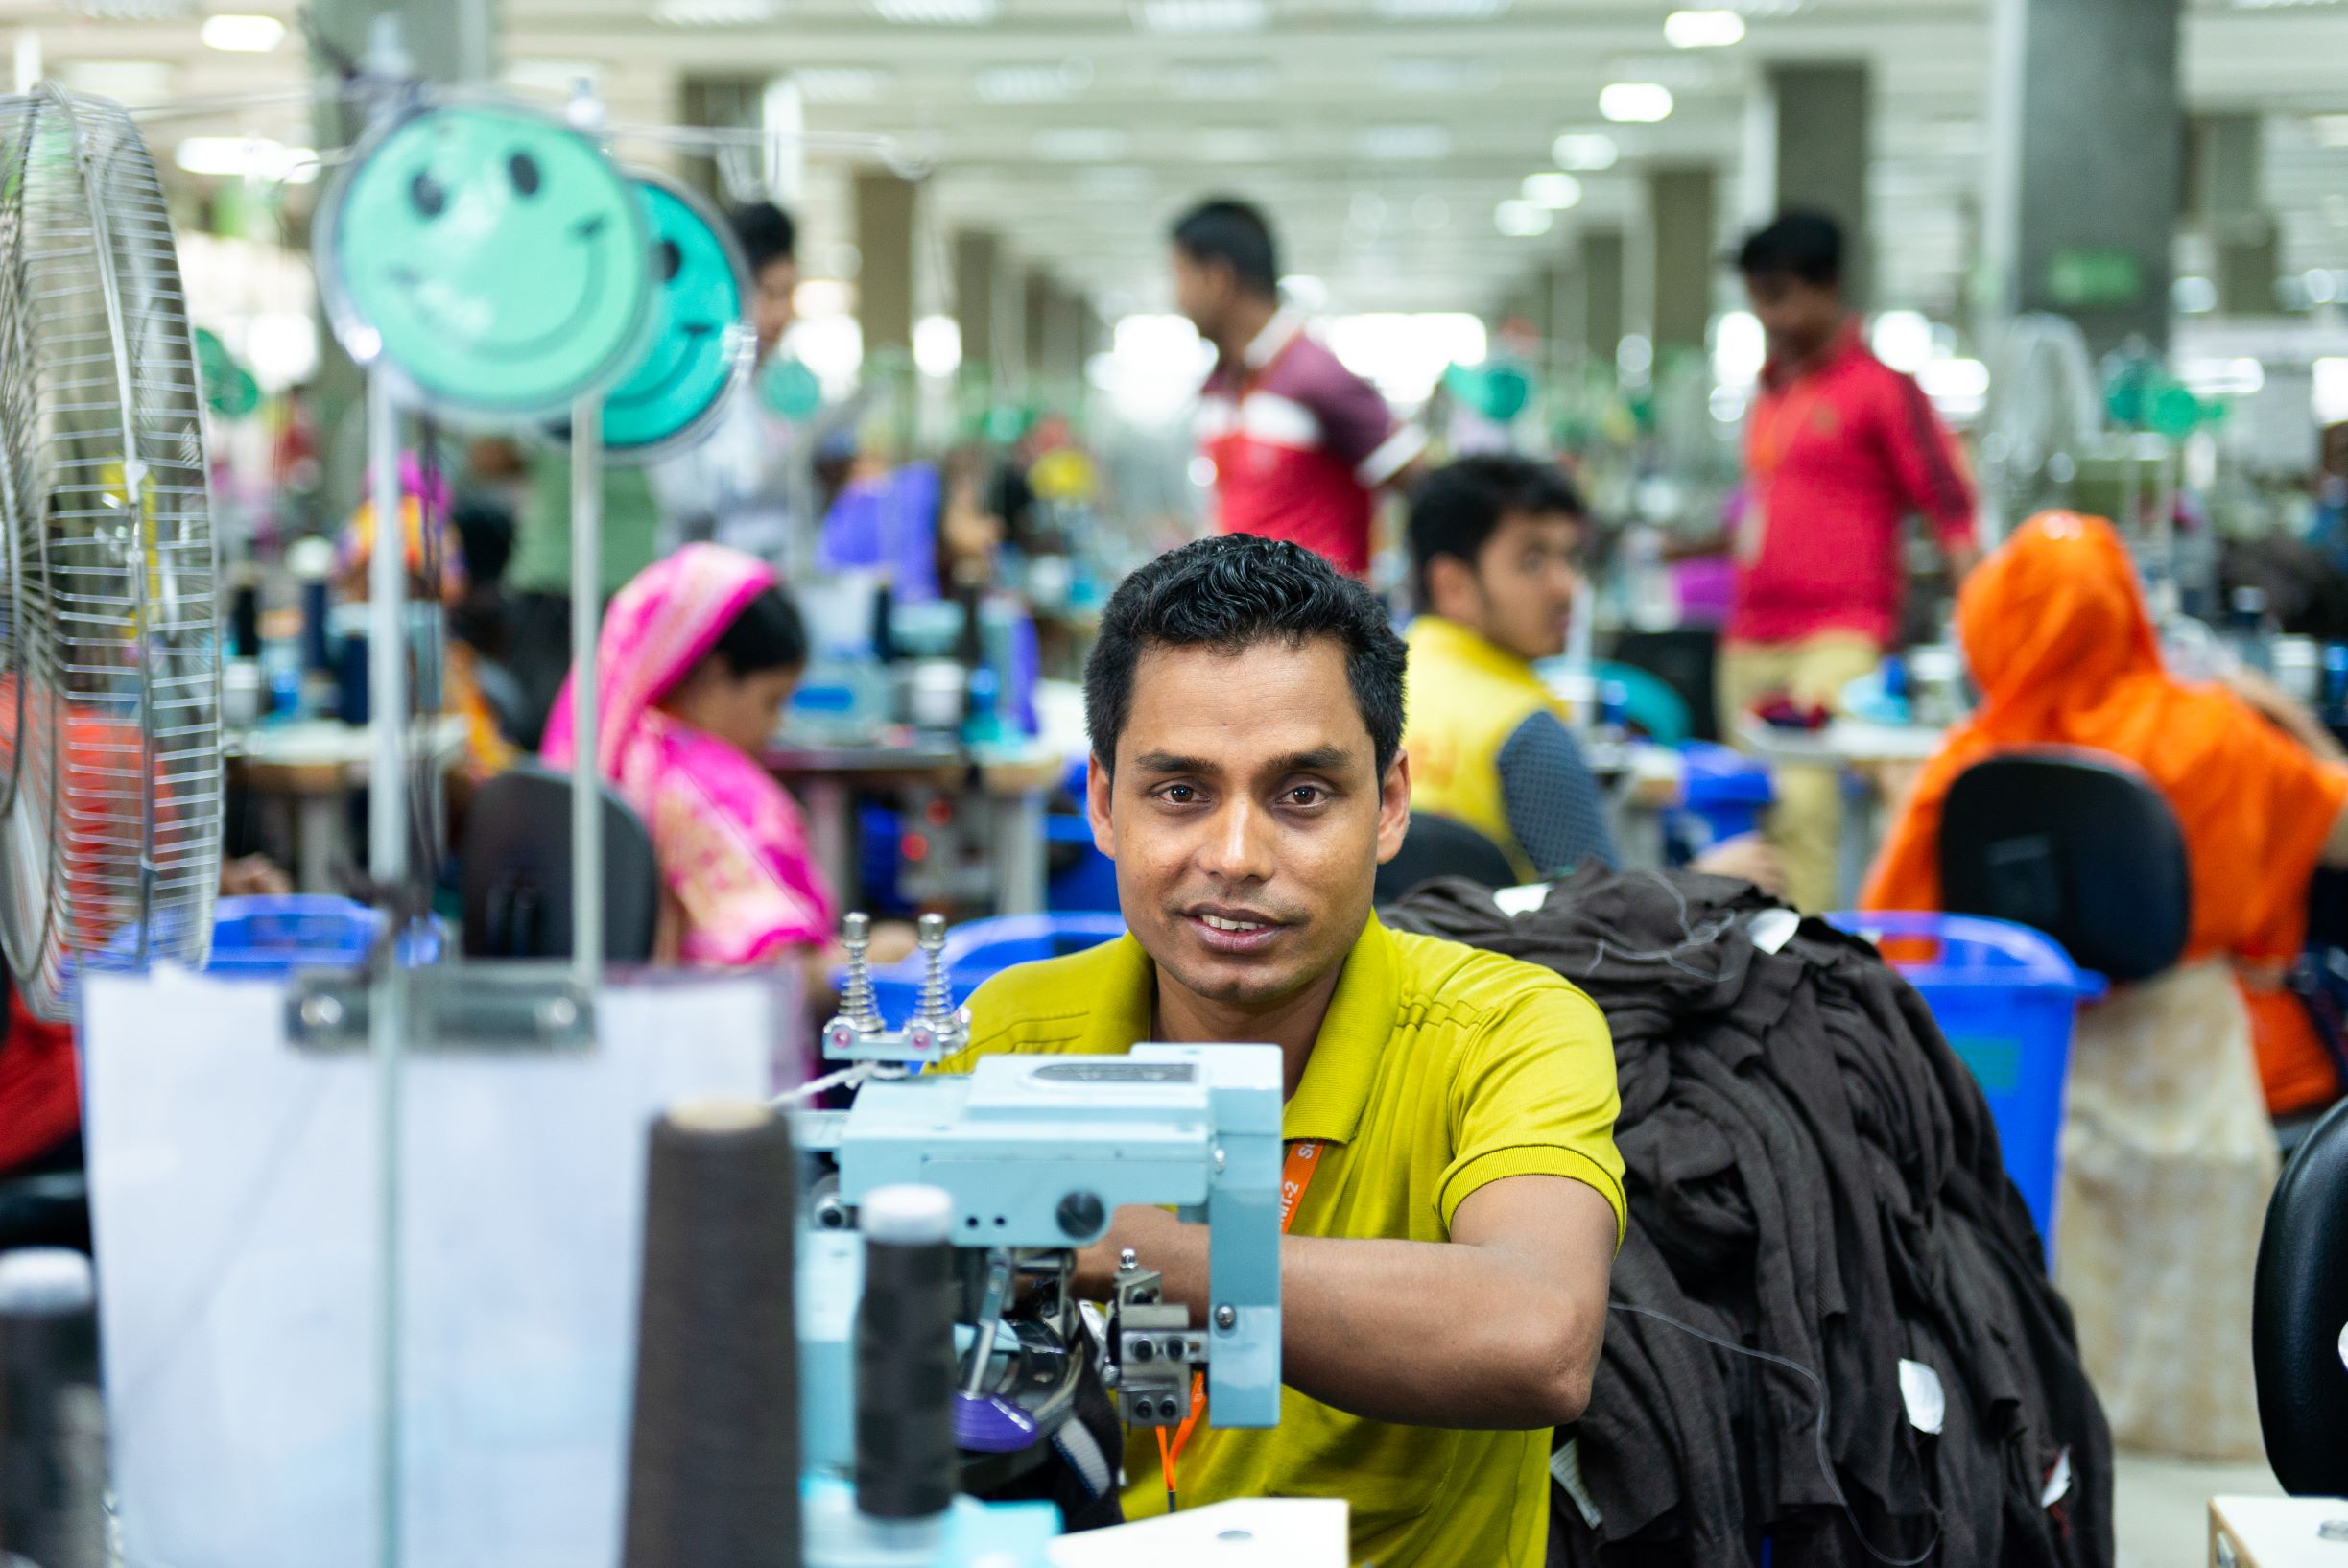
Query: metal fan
[{"x": 109, "y": 664}]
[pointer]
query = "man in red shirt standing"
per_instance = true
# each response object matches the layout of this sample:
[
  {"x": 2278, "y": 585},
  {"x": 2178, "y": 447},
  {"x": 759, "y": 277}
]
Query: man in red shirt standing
[
  {"x": 1839, "y": 449},
  {"x": 1300, "y": 444}
]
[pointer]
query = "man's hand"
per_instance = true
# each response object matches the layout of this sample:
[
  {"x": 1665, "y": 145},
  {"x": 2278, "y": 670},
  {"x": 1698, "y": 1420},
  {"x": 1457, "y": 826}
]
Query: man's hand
[{"x": 1498, "y": 1329}]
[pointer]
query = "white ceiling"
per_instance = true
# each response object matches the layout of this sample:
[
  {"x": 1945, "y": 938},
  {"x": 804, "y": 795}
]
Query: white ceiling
[{"x": 1381, "y": 146}]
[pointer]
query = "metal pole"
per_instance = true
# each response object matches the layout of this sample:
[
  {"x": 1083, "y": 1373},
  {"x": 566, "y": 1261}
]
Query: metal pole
[
  {"x": 387, "y": 846},
  {"x": 586, "y": 624}
]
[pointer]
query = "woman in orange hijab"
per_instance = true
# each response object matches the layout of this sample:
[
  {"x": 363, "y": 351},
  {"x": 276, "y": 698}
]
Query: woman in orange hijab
[{"x": 2168, "y": 1154}]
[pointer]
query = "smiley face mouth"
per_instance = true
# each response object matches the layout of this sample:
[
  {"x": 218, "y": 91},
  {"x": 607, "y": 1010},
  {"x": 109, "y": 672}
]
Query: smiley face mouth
[
  {"x": 682, "y": 363},
  {"x": 585, "y": 232}
]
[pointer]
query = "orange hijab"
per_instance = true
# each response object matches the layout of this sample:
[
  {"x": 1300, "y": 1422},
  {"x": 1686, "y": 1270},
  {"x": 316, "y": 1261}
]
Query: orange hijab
[{"x": 2058, "y": 640}]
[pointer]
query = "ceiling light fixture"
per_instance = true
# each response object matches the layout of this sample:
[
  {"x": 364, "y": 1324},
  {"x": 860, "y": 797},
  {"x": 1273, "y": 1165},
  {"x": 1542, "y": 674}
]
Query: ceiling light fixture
[
  {"x": 1553, "y": 190},
  {"x": 1201, "y": 16},
  {"x": 713, "y": 12},
  {"x": 1222, "y": 81},
  {"x": 242, "y": 35},
  {"x": 1405, "y": 143},
  {"x": 1438, "y": 10},
  {"x": 1635, "y": 102},
  {"x": 1703, "y": 29},
  {"x": 840, "y": 84},
  {"x": 1522, "y": 220},
  {"x": 935, "y": 13},
  {"x": 1033, "y": 83},
  {"x": 1237, "y": 144},
  {"x": 1433, "y": 75},
  {"x": 1585, "y": 151},
  {"x": 1079, "y": 144}
]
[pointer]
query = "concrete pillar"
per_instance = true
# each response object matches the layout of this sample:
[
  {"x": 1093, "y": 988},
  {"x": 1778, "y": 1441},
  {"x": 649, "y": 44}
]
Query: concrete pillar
[
  {"x": 1036, "y": 289},
  {"x": 1683, "y": 258},
  {"x": 2086, "y": 131},
  {"x": 1601, "y": 281},
  {"x": 1815, "y": 128},
  {"x": 978, "y": 278},
  {"x": 2225, "y": 158},
  {"x": 1064, "y": 341},
  {"x": 884, "y": 278}
]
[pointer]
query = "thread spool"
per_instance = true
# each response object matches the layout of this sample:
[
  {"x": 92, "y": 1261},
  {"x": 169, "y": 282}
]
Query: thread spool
[
  {"x": 905, "y": 1461},
  {"x": 52, "y": 1424},
  {"x": 713, "y": 1476}
]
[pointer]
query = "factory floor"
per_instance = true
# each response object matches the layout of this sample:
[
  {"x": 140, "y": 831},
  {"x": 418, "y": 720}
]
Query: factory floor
[{"x": 2162, "y": 1507}]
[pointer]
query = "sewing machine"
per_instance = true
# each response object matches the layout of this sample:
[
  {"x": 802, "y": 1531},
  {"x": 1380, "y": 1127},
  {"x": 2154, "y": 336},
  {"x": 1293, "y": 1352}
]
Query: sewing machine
[{"x": 1037, "y": 1154}]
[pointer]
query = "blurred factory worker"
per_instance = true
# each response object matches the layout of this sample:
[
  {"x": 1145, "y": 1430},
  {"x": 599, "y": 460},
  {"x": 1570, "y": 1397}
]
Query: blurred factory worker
[
  {"x": 2168, "y": 1156},
  {"x": 1496, "y": 543},
  {"x": 1450, "y": 1113},
  {"x": 696, "y": 658},
  {"x": 1299, "y": 443},
  {"x": 538, "y": 576},
  {"x": 1839, "y": 450},
  {"x": 2328, "y": 529}
]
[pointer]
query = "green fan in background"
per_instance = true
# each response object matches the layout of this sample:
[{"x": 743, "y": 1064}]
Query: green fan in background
[
  {"x": 229, "y": 389},
  {"x": 490, "y": 256}
]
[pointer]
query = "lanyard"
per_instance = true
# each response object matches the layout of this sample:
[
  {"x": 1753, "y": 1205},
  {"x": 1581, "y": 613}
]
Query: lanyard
[
  {"x": 1295, "y": 1175},
  {"x": 1767, "y": 453}
]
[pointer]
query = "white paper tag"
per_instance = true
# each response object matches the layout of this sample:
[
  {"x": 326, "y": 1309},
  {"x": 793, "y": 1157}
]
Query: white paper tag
[
  {"x": 1928, "y": 1402},
  {"x": 1565, "y": 1465},
  {"x": 1522, "y": 900},
  {"x": 1772, "y": 929},
  {"x": 2058, "y": 1480}
]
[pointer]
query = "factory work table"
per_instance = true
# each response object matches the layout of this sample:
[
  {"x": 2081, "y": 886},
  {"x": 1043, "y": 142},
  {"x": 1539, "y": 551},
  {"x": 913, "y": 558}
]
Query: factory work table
[{"x": 309, "y": 770}]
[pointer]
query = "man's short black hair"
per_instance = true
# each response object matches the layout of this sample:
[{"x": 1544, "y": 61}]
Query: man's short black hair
[
  {"x": 1803, "y": 245},
  {"x": 1237, "y": 234},
  {"x": 1457, "y": 508},
  {"x": 765, "y": 233},
  {"x": 1232, "y": 593}
]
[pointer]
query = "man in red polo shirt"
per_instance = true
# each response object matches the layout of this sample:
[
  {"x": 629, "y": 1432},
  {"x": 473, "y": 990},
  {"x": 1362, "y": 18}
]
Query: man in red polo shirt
[
  {"x": 1839, "y": 449},
  {"x": 1300, "y": 444}
]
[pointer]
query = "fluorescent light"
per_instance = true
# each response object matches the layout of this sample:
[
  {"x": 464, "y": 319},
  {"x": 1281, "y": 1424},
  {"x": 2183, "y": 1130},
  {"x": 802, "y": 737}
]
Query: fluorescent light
[
  {"x": 2331, "y": 130},
  {"x": 1438, "y": 10},
  {"x": 1405, "y": 143},
  {"x": 1079, "y": 144},
  {"x": 123, "y": 81},
  {"x": 242, "y": 35},
  {"x": 935, "y": 13},
  {"x": 242, "y": 157},
  {"x": 1635, "y": 102},
  {"x": 1703, "y": 29},
  {"x": 1585, "y": 151},
  {"x": 1201, "y": 16},
  {"x": 937, "y": 345},
  {"x": 1435, "y": 76},
  {"x": 822, "y": 297},
  {"x": 1225, "y": 80},
  {"x": 713, "y": 12},
  {"x": 1740, "y": 347},
  {"x": 1522, "y": 220},
  {"x": 1236, "y": 144},
  {"x": 1902, "y": 339},
  {"x": 1033, "y": 83},
  {"x": 1553, "y": 190},
  {"x": 840, "y": 84}
]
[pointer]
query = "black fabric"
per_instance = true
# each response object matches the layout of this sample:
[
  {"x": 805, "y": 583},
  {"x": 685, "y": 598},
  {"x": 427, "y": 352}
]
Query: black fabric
[{"x": 1813, "y": 1175}]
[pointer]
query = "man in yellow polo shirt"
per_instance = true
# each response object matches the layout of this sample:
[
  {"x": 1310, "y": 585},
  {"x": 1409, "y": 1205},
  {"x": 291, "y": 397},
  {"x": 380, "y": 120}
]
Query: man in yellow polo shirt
[{"x": 1445, "y": 1276}]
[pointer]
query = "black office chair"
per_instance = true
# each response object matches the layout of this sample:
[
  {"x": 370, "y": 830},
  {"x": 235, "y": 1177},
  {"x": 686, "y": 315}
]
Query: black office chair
[
  {"x": 517, "y": 883},
  {"x": 2075, "y": 844},
  {"x": 2299, "y": 1317},
  {"x": 1683, "y": 659},
  {"x": 1438, "y": 846}
]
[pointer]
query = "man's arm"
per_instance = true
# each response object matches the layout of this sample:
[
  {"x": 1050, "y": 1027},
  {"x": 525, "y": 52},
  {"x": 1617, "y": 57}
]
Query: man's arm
[
  {"x": 1932, "y": 474},
  {"x": 1497, "y": 1329},
  {"x": 1551, "y": 798}
]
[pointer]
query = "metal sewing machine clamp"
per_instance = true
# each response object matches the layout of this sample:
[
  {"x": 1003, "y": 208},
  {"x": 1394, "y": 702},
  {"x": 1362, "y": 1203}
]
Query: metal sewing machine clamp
[
  {"x": 1155, "y": 1347},
  {"x": 936, "y": 1030}
]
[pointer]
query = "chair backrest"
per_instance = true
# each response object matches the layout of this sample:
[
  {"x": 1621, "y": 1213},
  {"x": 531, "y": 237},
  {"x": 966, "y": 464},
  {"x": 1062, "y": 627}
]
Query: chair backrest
[
  {"x": 517, "y": 881},
  {"x": 2078, "y": 844},
  {"x": 2299, "y": 1317},
  {"x": 1438, "y": 846}
]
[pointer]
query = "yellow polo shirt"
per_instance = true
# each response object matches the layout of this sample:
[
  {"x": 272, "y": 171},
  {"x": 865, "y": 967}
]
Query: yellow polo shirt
[
  {"x": 1485, "y": 692},
  {"x": 1438, "y": 1069}
]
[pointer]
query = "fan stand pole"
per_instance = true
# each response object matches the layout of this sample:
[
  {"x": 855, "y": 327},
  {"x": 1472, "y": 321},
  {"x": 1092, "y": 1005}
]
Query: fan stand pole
[{"x": 586, "y": 624}]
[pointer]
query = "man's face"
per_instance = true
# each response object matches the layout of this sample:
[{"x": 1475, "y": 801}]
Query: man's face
[
  {"x": 1800, "y": 318},
  {"x": 1202, "y": 291},
  {"x": 1521, "y": 592},
  {"x": 770, "y": 309},
  {"x": 1246, "y": 817}
]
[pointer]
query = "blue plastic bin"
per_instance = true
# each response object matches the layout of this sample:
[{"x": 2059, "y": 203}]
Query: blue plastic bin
[
  {"x": 2006, "y": 997},
  {"x": 267, "y": 937},
  {"x": 982, "y": 949},
  {"x": 1723, "y": 795}
]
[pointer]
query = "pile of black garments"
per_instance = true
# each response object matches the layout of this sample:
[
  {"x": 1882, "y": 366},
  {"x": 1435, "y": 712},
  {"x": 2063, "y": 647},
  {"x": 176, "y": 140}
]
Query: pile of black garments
[{"x": 1815, "y": 1179}]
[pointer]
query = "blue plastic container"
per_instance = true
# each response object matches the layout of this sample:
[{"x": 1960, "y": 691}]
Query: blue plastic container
[
  {"x": 977, "y": 952},
  {"x": 1090, "y": 885},
  {"x": 2006, "y": 997},
  {"x": 268, "y": 938},
  {"x": 1723, "y": 795}
]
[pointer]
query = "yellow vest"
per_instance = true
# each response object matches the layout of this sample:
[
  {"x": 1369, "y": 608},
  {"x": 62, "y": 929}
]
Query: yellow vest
[{"x": 1467, "y": 697}]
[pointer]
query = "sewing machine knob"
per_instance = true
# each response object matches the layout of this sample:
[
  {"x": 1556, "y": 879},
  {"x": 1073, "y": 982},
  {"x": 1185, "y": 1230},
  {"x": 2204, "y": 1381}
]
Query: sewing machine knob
[
  {"x": 1128, "y": 1259},
  {"x": 1227, "y": 1317},
  {"x": 1081, "y": 1215}
]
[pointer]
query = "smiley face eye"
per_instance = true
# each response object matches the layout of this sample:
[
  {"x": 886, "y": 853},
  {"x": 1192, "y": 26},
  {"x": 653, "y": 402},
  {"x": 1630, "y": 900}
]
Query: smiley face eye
[
  {"x": 670, "y": 260},
  {"x": 523, "y": 170},
  {"x": 427, "y": 195}
]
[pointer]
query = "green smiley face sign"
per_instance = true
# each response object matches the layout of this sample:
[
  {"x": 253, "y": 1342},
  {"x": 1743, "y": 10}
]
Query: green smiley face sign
[
  {"x": 491, "y": 257},
  {"x": 697, "y": 348}
]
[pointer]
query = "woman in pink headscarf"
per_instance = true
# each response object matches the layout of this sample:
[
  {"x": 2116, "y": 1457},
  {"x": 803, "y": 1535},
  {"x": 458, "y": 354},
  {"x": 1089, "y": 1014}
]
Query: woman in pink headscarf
[{"x": 698, "y": 656}]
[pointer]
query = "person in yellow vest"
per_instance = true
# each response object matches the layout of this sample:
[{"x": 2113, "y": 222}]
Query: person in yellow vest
[
  {"x": 1450, "y": 1113},
  {"x": 1497, "y": 541}
]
